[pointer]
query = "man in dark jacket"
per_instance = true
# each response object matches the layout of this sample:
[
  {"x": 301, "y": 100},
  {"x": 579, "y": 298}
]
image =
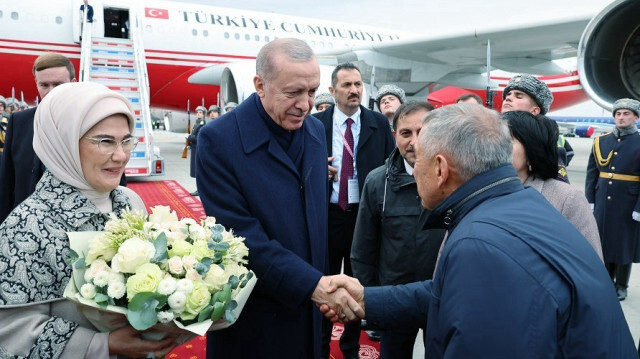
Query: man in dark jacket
[
  {"x": 389, "y": 244},
  {"x": 612, "y": 186},
  {"x": 505, "y": 286},
  {"x": 358, "y": 140},
  {"x": 20, "y": 168}
]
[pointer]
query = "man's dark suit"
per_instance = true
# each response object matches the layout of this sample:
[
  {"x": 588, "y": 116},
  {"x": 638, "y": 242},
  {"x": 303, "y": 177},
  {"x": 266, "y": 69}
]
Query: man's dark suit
[
  {"x": 20, "y": 168},
  {"x": 375, "y": 143}
]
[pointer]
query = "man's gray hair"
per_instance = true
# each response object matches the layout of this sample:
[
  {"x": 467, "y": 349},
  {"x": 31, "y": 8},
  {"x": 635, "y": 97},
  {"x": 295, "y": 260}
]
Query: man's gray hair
[
  {"x": 474, "y": 138},
  {"x": 294, "y": 49}
]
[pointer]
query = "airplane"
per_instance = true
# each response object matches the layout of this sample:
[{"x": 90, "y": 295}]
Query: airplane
[{"x": 190, "y": 47}]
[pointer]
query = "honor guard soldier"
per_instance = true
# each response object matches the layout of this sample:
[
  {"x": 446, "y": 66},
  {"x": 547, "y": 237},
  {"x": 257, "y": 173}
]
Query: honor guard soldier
[
  {"x": 193, "y": 140},
  {"x": 612, "y": 186}
]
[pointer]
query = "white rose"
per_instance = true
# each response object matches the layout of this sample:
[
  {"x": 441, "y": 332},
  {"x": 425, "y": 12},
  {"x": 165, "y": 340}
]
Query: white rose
[
  {"x": 100, "y": 247},
  {"x": 197, "y": 232},
  {"x": 133, "y": 253},
  {"x": 193, "y": 275},
  {"x": 184, "y": 285},
  {"x": 165, "y": 317},
  {"x": 175, "y": 265},
  {"x": 188, "y": 262},
  {"x": 177, "y": 301},
  {"x": 215, "y": 278},
  {"x": 176, "y": 234},
  {"x": 167, "y": 286},
  {"x": 101, "y": 279},
  {"x": 88, "y": 291},
  {"x": 162, "y": 214},
  {"x": 116, "y": 290}
]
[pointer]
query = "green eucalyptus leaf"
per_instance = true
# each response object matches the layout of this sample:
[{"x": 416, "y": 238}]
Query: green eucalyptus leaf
[
  {"x": 160, "y": 245},
  {"x": 231, "y": 305},
  {"x": 142, "y": 309},
  {"x": 205, "y": 313},
  {"x": 234, "y": 281},
  {"x": 101, "y": 298},
  {"x": 80, "y": 263},
  {"x": 229, "y": 316},
  {"x": 218, "y": 311}
]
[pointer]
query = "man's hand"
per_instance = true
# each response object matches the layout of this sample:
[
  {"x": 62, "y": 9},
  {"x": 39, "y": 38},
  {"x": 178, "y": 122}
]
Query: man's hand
[
  {"x": 333, "y": 172},
  {"x": 348, "y": 295},
  {"x": 336, "y": 293}
]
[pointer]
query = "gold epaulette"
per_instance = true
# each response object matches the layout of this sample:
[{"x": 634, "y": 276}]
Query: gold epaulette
[{"x": 603, "y": 162}]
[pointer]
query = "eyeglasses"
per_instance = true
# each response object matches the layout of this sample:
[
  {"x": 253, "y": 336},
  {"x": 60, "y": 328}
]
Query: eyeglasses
[{"x": 108, "y": 146}]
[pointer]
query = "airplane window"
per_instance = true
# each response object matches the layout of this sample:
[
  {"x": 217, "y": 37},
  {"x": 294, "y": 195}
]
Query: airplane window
[
  {"x": 14, "y": 15},
  {"x": 194, "y": 32},
  {"x": 0, "y": 13},
  {"x": 237, "y": 36},
  {"x": 266, "y": 39},
  {"x": 226, "y": 35},
  {"x": 247, "y": 37},
  {"x": 58, "y": 20},
  {"x": 205, "y": 33},
  {"x": 257, "y": 37}
]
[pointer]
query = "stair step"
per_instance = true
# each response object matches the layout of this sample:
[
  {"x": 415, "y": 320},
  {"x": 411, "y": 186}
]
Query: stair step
[
  {"x": 111, "y": 61},
  {"x": 111, "y": 52},
  {"x": 112, "y": 41}
]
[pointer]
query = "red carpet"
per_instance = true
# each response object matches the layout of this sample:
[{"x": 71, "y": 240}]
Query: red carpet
[
  {"x": 172, "y": 194},
  {"x": 169, "y": 193}
]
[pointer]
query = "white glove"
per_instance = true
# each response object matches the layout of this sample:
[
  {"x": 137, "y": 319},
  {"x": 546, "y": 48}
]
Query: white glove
[
  {"x": 636, "y": 216},
  {"x": 186, "y": 137},
  {"x": 592, "y": 206}
]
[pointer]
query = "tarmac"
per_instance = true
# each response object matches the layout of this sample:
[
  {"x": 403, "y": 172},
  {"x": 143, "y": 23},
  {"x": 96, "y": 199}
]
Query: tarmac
[{"x": 176, "y": 168}]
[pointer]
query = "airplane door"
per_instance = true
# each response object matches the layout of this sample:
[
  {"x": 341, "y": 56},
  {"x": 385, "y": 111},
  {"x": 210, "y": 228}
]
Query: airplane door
[
  {"x": 77, "y": 19},
  {"x": 116, "y": 23}
]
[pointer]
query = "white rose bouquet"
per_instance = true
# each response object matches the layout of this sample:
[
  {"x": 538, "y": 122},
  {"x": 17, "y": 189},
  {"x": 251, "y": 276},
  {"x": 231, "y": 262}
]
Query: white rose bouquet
[{"x": 158, "y": 269}]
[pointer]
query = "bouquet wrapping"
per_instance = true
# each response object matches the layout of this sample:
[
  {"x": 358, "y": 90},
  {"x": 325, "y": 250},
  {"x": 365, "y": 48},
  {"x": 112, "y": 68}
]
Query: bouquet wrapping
[{"x": 154, "y": 271}]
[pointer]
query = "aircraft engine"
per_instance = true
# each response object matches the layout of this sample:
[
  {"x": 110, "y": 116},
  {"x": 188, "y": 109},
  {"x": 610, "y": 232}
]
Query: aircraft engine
[
  {"x": 584, "y": 131},
  {"x": 236, "y": 83},
  {"x": 609, "y": 54}
]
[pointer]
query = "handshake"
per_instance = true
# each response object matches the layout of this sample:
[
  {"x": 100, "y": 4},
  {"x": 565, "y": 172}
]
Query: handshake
[{"x": 339, "y": 298}]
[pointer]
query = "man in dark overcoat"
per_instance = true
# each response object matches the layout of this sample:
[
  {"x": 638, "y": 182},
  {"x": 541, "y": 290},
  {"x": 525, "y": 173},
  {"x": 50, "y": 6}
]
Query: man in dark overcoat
[
  {"x": 262, "y": 171},
  {"x": 612, "y": 186},
  {"x": 372, "y": 142}
]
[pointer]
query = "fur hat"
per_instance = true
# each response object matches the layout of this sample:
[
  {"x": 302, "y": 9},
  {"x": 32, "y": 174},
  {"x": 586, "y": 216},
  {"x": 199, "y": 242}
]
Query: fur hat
[
  {"x": 214, "y": 108},
  {"x": 391, "y": 90},
  {"x": 201, "y": 108},
  {"x": 230, "y": 106},
  {"x": 323, "y": 97},
  {"x": 628, "y": 104},
  {"x": 533, "y": 87}
]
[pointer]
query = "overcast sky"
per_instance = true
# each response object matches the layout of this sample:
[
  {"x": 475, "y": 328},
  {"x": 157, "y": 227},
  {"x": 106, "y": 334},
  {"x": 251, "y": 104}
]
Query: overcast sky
[{"x": 429, "y": 16}]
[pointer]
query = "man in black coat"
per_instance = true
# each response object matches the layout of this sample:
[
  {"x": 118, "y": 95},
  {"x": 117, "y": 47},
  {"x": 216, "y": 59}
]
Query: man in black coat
[
  {"x": 390, "y": 245},
  {"x": 347, "y": 121}
]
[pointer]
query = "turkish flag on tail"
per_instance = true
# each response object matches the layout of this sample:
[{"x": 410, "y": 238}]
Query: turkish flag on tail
[{"x": 156, "y": 13}]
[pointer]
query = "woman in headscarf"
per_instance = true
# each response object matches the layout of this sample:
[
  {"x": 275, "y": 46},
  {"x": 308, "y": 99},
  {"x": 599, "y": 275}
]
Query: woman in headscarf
[
  {"x": 83, "y": 136},
  {"x": 535, "y": 158}
]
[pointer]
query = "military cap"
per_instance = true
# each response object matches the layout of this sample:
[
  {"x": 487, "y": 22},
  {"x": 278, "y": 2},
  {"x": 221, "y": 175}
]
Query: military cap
[
  {"x": 391, "y": 89},
  {"x": 201, "y": 108},
  {"x": 214, "y": 108},
  {"x": 533, "y": 87},
  {"x": 323, "y": 97},
  {"x": 230, "y": 106},
  {"x": 628, "y": 104}
]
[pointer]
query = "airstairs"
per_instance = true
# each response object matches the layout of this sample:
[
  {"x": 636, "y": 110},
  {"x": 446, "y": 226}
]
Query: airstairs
[{"x": 120, "y": 65}]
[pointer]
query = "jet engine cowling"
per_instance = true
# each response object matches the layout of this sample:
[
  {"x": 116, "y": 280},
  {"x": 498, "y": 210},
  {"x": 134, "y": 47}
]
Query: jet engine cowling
[{"x": 609, "y": 54}]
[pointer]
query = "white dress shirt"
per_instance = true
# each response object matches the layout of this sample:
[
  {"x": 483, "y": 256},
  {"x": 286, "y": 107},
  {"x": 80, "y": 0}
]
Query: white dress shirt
[{"x": 339, "y": 128}]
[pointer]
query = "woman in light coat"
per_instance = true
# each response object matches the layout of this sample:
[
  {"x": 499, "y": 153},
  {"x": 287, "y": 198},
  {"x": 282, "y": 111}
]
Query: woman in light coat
[{"x": 535, "y": 158}]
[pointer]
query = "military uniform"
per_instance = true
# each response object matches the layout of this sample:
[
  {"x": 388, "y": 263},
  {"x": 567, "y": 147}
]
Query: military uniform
[
  {"x": 612, "y": 187},
  {"x": 613, "y": 183}
]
